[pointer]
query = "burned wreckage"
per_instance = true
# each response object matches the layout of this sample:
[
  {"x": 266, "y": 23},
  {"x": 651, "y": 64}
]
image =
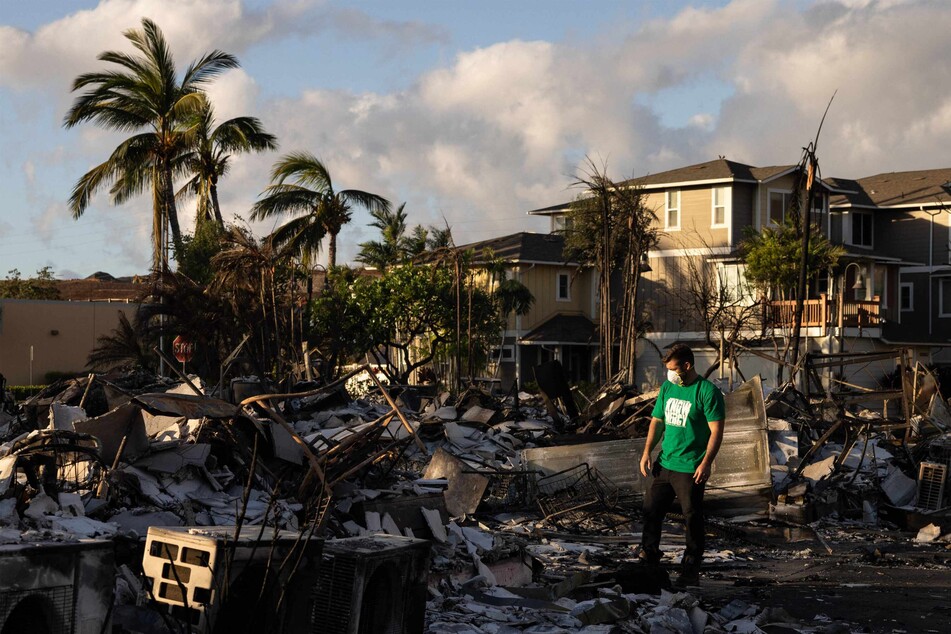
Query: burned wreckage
[{"x": 132, "y": 503}]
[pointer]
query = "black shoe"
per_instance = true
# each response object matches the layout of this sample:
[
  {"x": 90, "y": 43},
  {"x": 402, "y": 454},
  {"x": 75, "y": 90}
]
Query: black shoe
[{"x": 688, "y": 578}]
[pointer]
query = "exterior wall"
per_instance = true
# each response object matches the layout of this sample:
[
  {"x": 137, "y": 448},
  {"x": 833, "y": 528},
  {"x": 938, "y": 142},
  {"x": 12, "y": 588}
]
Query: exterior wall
[
  {"x": 77, "y": 325},
  {"x": 743, "y": 210},
  {"x": 908, "y": 234},
  {"x": 696, "y": 216},
  {"x": 761, "y": 199},
  {"x": 542, "y": 281}
]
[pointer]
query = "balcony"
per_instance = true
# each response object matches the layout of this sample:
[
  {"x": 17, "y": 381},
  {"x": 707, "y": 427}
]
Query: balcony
[{"x": 822, "y": 312}]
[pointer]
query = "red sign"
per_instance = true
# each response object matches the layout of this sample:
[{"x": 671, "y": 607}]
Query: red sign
[{"x": 183, "y": 349}]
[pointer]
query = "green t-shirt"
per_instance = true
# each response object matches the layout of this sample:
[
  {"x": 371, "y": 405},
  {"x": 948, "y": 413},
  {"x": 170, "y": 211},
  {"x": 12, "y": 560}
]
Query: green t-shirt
[{"x": 686, "y": 412}]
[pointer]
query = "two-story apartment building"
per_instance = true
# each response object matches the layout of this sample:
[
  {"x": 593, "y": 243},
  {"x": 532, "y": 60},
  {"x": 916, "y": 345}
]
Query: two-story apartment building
[
  {"x": 890, "y": 287},
  {"x": 905, "y": 216},
  {"x": 561, "y": 323}
]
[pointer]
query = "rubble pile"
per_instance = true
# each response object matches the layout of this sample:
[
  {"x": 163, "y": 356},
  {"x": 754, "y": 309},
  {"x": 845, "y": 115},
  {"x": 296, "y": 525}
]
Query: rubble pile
[{"x": 532, "y": 529}]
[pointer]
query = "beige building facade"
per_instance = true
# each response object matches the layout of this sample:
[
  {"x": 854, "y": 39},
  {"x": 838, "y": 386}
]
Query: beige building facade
[{"x": 38, "y": 337}]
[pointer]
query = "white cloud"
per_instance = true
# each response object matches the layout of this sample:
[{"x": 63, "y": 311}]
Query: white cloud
[{"x": 500, "y": 128}]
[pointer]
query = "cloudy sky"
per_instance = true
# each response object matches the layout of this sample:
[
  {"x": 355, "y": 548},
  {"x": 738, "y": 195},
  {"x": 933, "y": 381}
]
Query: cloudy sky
[{"x": 474, "y": 112}]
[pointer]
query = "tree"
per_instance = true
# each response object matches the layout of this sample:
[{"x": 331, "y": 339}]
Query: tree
[
  {"x": 610, "y": 228},
  {"x": 209, "y": 157},
  {"x": 127, "y": 345},
  {"x": 405, "y": 318},
  {"x": 40, "y": 287},
  {"x": 144, "y": 95},
  {"x": 394, "y": 246},
  {"x": 323, "y": 210},
  {"x": 773, "y": 256}
]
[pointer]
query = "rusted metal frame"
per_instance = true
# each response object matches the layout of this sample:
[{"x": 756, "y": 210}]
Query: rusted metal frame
[
  {"x": 816, "y": 445},
  {"x": 324, "y": 388},
  {"x": 373, "y": 458},
  {"x": 308, "y": 452},
  {"x": 392, "y": 403},
  {"x": 178, "y": 372},
  {"x": 907, "y": 392},
  {"x": 846, "y": 358},
  {"x": 868, "y": 396},
  {"x": 89, "y": 381},
  {"x": 353, "y": 439}
]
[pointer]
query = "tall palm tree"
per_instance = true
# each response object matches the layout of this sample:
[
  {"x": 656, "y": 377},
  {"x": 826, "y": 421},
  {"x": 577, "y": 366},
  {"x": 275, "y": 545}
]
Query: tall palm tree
[
  {"x": 312, "y": 194},
  {"x": 208, "y": 158},
  {"x": 142, "y": 94},
  {"x": 394, "y": 245}
]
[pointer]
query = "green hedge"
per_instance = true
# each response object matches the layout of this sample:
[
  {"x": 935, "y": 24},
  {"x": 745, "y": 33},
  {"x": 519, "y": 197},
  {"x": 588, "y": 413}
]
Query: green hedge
[{"x": 23, "y": 392}]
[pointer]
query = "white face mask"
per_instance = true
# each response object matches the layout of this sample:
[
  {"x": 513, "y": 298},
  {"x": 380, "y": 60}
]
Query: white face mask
[{"x": 674, "y": 378}]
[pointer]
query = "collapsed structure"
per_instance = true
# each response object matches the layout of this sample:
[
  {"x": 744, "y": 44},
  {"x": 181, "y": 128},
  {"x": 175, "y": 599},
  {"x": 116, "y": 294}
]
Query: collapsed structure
[{"x": 153, "y": 506}]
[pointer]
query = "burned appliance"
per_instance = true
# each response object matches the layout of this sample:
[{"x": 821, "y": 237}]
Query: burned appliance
[
  {"x": 371, "y": 585},
  {"x": 216, "y": 580},
  {"x": 55, "y": 587}
]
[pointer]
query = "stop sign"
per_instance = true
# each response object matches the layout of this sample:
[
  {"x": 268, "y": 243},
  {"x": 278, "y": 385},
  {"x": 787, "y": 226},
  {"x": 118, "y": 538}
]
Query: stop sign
[{"x": 183, "y": 349}]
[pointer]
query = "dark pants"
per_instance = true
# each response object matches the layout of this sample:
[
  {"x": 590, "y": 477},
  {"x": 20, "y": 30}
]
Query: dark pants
[{"x": 665, "y": 485}]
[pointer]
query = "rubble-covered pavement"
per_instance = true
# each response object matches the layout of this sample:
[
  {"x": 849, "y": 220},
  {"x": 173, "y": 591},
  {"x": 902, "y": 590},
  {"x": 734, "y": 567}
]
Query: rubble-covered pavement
[{"x": 824, "y": 518}]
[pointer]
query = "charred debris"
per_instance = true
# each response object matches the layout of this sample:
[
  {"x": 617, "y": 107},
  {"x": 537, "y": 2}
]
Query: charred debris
[{"x": 364, "y": 506}]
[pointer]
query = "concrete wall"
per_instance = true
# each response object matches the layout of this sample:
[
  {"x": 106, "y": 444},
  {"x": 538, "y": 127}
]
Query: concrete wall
[{"x": 61, "y": 334}]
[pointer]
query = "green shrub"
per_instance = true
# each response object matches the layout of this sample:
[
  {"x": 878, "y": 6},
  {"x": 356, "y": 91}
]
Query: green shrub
[
  {"x": 23, "y": 392},
  {"x": 56, "y": 375}
]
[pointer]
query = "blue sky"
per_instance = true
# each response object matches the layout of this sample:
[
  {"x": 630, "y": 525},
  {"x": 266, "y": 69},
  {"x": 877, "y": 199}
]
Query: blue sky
[{"x": 473, "y": 112}]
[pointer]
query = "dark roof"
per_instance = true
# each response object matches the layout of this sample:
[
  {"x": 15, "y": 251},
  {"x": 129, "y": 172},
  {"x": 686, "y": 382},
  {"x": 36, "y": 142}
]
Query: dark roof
[
  {"x": 718, "y": 170},
  {"x": 96, "y": 290},
  {"x": 564, "y": 329},
  {"x": 895, "y": 189},
  {"x": 523, "y": 247}
]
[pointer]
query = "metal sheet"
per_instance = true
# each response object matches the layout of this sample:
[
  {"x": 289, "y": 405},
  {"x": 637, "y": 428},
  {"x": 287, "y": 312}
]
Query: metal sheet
[{"x": 743, "y": 461}]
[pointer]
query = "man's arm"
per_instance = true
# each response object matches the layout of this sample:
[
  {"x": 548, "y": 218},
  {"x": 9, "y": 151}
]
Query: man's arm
[
  {"x": 654, "y": 433},
  {"x": 702, "y": 474}
]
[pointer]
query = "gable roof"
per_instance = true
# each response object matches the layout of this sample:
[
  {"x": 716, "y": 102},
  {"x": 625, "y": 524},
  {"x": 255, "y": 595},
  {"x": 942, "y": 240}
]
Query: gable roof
[
  {"x": 523, "y": 247},
  {"x": 717, "y": 170},
  {"x": 720, "y": 170},
  {"x": 895, "y": 189},
  {"x": 563, "y": 329}
]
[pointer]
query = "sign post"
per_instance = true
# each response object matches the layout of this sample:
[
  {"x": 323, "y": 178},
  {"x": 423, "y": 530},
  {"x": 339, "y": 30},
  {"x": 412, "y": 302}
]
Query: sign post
[{"x": 183, "y": 348}]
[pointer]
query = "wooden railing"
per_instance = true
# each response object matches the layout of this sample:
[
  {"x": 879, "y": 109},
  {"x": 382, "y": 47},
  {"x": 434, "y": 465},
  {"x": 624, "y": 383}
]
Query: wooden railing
[{"x": 819, "y": 313}]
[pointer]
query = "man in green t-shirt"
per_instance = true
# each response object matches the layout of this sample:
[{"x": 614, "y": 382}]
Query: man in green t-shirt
[{"x": 689, "y": 414}]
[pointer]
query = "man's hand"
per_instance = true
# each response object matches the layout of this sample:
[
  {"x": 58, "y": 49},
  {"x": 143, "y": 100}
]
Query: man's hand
[
  {"x": 702, "y": 474},
  {"x": 645, "y": 463}
]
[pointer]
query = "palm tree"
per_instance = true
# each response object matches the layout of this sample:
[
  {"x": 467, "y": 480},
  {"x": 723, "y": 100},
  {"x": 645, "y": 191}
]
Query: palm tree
[
  {"x": 208, "y": 159},
  {"x": 311, "y": 193},
  {"x": 143, "y": 95},
  {"x": 394, "y": 246}
]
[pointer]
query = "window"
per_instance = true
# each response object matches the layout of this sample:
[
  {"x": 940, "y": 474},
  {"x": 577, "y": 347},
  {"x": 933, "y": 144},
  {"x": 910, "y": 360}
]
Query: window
[
  {"x": 563, "y": 290},
  {"x": 734, "y": 289},
  {"x": 861, "y": 229},
  {"x": 907, "y": 301},
  {"x": 672, "y": 215},
  {"x": 560, "y": 224},
  {"x": 944, "y": 297},
  {"x": 719, "y": 207},
  {"x": 779, "y": 204}
]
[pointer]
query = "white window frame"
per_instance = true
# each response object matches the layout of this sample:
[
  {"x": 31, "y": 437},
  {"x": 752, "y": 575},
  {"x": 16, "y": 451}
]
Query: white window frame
[
  {"x": 668, "y": 208},
  {"x": 558, "y": 297},
  {"x": 942, "y": 282},
  {"x": 787, "y": 194},
  {"x": 726, "y": 274},
  {"x": 724, "y": 205},
  {"x": 851, "y": 237},
  {"x": 911, "y": 297}
]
